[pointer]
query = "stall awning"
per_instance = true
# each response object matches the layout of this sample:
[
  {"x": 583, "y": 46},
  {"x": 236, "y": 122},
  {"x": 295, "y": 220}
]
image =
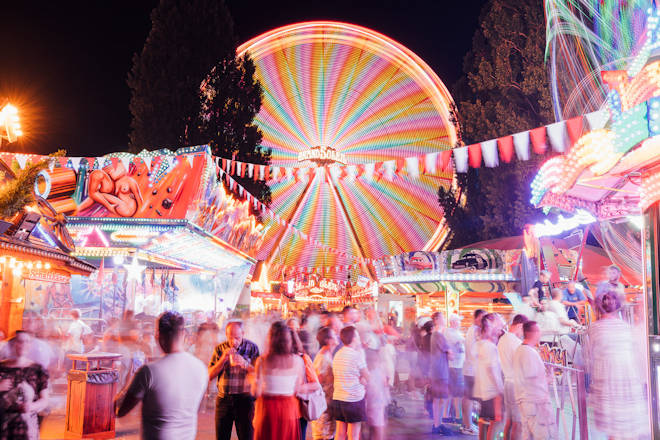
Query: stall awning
[{"x": 11, "y": 246}]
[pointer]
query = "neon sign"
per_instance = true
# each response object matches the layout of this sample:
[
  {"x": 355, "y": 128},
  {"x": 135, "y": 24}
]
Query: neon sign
[
  {"x": 322, "y": 155},
  {"x": 563, "y": 224}
]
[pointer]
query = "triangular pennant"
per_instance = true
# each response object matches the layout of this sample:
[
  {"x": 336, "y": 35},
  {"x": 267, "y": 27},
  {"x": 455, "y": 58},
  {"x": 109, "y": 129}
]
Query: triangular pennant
[
  {"x": 390, "y": 167},
  {"x": 22, "y": 160},
  {"x": 369, "y": 171},
  {"x": 505, "y": 145},
  {"x": 558, "y": 136},
  {"x": 574, "y": 129},
  {"x": 250, "y": 170},
  {"x": 489, "y": 152},
  {"x": 126, "y": 161},
  {"x": 521, "y": 144},
  {"x": 412, "y": 166},
  {"x": 537, "y": 136},
  {"x": 461, "y": 159},
  {"x": 51, "y": 165},
  {"x": 147, "y": 161},
  {"x": 400, "y": 166},
  {"x": 63, "y": 161},
  {"x": 597, "y": 120},
  {"x": 75, "y": 163},
  {"x": 190, "y": 158},
  {"x": 474, "y": 154},
  {"x": 90, "y": 163}
]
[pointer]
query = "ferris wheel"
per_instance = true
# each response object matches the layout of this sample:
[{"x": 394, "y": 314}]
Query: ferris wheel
[{"x": 339, "y": 96}]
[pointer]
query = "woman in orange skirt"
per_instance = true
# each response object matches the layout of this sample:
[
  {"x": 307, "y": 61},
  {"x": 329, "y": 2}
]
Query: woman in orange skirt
[{"x": 280, "y": 375}]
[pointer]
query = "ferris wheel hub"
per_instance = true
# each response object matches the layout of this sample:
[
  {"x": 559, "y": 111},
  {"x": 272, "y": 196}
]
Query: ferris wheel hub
[{"x": 322, "y": 155}]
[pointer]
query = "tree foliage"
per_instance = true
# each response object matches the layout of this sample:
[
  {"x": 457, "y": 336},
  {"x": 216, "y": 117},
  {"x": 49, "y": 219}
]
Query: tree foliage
[
  {"x": 192, "y": 42},
  {"x": 504, "y": 91}
]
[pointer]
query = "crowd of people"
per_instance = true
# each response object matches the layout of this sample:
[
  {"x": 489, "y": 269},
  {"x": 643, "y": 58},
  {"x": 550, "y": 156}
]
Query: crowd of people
[{"x": 330, "y": 375}]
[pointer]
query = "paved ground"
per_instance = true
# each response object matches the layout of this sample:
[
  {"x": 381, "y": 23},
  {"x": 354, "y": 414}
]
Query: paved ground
[{"x": 415, "y": 425}]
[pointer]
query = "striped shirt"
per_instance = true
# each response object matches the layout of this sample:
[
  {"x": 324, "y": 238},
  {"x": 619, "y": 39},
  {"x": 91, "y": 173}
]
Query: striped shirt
[{"x": 346, "y": 367}]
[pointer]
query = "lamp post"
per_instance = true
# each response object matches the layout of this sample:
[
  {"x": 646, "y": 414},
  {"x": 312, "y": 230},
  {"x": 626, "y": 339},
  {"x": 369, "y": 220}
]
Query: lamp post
[{"x": 10, "y": 128}]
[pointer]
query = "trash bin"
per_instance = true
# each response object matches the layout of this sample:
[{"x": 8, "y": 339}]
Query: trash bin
[{"x": 91, "y": 388}]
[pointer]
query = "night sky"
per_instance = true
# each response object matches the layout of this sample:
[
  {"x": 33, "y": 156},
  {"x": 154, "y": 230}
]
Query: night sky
[{"x": 64, "y": 63}]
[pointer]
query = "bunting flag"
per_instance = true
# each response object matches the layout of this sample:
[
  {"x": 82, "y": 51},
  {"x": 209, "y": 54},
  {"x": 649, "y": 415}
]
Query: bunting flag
[
  {"x": 521, "y": 143},
  {"x": 22, "y": 160},
  {"x": 558, "y": 136},
  {"x": 461, "y": 159},
  {"x": 537, "y": 136},
  {"x": 505, "y": 146},
  {"x": 489, "y": 153},
  {"x": 474, "y": 155}
]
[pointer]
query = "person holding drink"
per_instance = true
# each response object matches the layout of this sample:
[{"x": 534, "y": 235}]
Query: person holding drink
[{"x": 232, "y": 362}]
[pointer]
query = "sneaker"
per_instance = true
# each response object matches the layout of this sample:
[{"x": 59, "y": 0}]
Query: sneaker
[
  {"x": 468, "y": 430},
  {"x": 445, "y": 430}
]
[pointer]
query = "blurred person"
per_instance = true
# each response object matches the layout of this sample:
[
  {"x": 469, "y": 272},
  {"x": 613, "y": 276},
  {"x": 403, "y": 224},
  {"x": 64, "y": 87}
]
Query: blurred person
[
  {"x": 377, "y": 393},
  {"x": 439, "y": 373},
  {"x": 573, "y": 298},
  {"x": 324, "y": 427},
  {"x": 556, "y": 306},
  {"x": 506, "y": 348},
  {"x": 488, "y": 383},
  {"x": 456, "y": 342},
  {"x": 39, "y": 350},
  {"x": 170, "y": 389},
  {"x": 310, "y": 372},
  {"x": 424, "y": 356},
  {"x": 75, "y": 333},
  {"x": 537, "y": 413},
  {"x": 611, "y": 282},
  {"x": 280, "y": 375},
  {"x": 306, "y": 337},
  {"x": 231, "y": 363},
  {"x": 541, "y": 288},
  {"x": 23, "y": 391},
  {"x": 349, "y": 369},
  {"x": 469, "y": 367},
  {"x": 350, "y": 316},
  {"x": 617, "y": 388}
]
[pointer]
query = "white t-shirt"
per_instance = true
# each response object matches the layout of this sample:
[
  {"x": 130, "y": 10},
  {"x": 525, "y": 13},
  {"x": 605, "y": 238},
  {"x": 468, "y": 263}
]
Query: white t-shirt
[
  {"x": 470, "y": 351},
  {"x": 560, "y": 310},
  {"x": 488, "y": 378},
  {"x": 456, "y": 342},
  {"x": 346, "y": 367},
  {"x": 506, "y": 347},
  {"x": 171, "y": 390},
  {"x": 76, "y": 331},
  {"x": 529, "y": 377}
]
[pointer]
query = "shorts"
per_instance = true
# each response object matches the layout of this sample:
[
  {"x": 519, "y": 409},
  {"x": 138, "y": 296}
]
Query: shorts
[
  {"x": 538, "y": 420},
  {"x": 349, "y": 412},
  {"x": 512, "y": 410},
  {"x": 468, "y": 382},
  {"x": 439, "y": 389},
  {"x": 493, "y": 409},
  {"x": 456, "y": 385},
  {"x": 376, "y": 415}
]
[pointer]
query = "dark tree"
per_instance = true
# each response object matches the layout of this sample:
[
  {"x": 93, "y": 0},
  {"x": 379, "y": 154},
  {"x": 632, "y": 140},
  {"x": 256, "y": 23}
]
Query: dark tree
[
  {"x": 231, "y": 98},
  {"x": 505, "y": 91},
  {"x": 192, "y": 42}
]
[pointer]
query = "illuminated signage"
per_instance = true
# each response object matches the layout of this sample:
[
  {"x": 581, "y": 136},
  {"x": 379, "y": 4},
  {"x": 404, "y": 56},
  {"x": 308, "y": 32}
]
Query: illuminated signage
[
  {"x": 322, "y": 155},
  {"x": 563, "y": 224}
]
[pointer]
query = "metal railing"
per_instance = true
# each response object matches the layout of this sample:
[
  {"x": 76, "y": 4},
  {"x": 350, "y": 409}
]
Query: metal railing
[{"x": 568, "y": 392}]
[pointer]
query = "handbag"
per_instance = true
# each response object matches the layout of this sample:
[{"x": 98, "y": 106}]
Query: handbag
[{"x": 312, "y": 404}]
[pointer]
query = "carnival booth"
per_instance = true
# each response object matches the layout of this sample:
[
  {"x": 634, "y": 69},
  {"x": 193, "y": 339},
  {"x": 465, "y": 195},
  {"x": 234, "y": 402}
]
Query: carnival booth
[
  {"x": 36, "y": 264},
  {"x": 162, "y": 230},
  {"x": 614, "y": 174},
  {"x": 454, "y": 281}
]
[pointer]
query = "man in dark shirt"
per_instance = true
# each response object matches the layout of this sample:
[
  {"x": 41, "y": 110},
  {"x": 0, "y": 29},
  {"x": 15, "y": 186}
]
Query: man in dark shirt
[
  {"x": 232, "y": 361},
  {"x": 541, "y": 288}
]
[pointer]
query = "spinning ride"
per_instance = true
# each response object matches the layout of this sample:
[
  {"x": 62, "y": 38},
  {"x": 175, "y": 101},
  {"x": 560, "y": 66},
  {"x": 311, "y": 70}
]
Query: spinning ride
[{"x": 339, "y": 101}]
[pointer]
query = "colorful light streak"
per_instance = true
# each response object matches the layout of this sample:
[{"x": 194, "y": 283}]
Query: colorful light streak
[{"x": 372, "y": 100}]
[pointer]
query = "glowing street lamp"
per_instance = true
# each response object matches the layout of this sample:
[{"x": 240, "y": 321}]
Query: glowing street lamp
[{"x": 10, "y": 128}]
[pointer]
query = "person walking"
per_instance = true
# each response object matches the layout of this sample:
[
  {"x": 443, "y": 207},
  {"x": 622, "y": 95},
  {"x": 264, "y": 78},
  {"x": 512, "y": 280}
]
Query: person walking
[
  {"x": 469, "y": 366},
  {"x": 439, "y": 373},
  {"x": 310, "y": 373},
  {"x": 456, "y": 342},
  {"x": 324, "y": 427},
  {"x": 23, "y": 391},
  {"x": 488, "y": 384},
  {"x": 531, "y": 388},
  {"x": 349, "y": 368},
  {"x": 280, "y": 375},
  {"x": 506, "y": 348},
  {"x": 231, "y": 363},
  {"x": 170, "y": 389},
  {"x": 617, "y": 384}
]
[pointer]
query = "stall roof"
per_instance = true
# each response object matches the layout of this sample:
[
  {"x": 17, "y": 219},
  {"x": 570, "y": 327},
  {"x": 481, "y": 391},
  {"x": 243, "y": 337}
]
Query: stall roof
[
  {"x": 10, "y": 245},
  {"x": 175, "y": 243}
]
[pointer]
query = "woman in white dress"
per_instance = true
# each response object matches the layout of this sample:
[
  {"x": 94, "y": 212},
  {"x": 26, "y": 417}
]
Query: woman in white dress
[{"x": 617, "y": 392}]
